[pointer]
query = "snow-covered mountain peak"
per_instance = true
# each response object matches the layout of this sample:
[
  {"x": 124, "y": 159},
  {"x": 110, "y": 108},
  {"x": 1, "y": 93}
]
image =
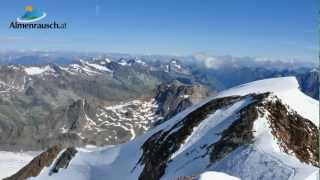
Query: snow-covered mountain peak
[
  {"x": 273, "y": 85},
  {"x": 285, "y": 88},
  {"x": 133, "y": 61},
  {"x": 140, "y": 61}
]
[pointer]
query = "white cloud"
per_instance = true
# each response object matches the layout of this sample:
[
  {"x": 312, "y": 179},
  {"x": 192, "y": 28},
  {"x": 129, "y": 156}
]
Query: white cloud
[{"x": 209, "y": 61}]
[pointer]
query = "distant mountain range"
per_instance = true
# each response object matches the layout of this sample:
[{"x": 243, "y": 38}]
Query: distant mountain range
[
  {"x": 104, "y": 101},
  {"x": 98, "y": 102}
]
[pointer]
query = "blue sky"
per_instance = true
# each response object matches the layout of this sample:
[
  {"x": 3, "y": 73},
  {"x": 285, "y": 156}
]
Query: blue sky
[{"x": 281, "y": 29}]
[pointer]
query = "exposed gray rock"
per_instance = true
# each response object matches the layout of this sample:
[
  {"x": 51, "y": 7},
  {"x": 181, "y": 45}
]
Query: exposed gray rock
[
  {"x": 310, "y": 83},
  {"x": 176, "y": 97},
  {"x": 64, "y": 160}
]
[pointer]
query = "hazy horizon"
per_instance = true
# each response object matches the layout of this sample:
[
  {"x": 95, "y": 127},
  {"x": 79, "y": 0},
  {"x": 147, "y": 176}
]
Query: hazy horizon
[{"x": 268, "y": 29}]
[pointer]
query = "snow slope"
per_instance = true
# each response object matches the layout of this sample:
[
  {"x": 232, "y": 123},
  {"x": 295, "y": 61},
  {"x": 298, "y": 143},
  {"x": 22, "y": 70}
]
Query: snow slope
[
  {"x": 216, "y": 175},
  {"x": 11, "y": 162},
  {"x": 98, "y": 67},
  {"x": 287, "y": 89},
  {"x": 263, "y": 159}
]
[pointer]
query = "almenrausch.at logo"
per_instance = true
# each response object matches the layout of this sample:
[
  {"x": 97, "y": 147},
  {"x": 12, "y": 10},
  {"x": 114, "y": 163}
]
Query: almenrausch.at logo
[{"x": 31, "y": 15}]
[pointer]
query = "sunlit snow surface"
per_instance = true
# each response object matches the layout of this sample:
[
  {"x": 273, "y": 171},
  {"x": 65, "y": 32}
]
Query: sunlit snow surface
[
  {"x": 11, "y": 162},
  {"x": 211, "y": 175},
  {"x": 287, "y": 89},
  {"x": 261, "y": 160},
  {"x": 38, "y": 70}
]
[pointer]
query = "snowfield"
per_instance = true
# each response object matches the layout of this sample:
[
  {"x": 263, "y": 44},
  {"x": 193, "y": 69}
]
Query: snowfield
[
  {"x": 98, "y": 67},
  {"x": 216, "y": 175},
  {"x": 263, "y": 159},
  {"x": 11, "y": 162},
  {"x": 38, "y": 70}
]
